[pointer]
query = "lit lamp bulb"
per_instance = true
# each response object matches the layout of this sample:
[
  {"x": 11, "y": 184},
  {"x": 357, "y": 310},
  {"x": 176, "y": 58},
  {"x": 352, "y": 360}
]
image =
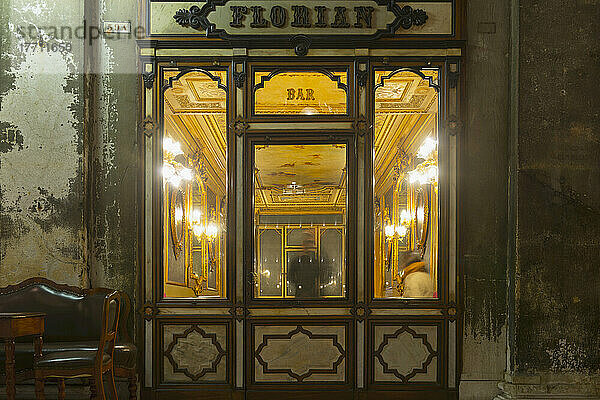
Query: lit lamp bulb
[
  {"x": 420, "y": 213},
  {"x": 211, "y": 230},
  {"x": 428, "y": 146},
  {"x": 186, "y": 173},
  {"x": 168, "y": 171},
  {"x": 178, "y": 214},
  {"x": 171, "y": 147},
  {"x": 196, "y": 216},
  {"x": 198, "y": 230},
  {"x": 389, "y": 230},
  {"x": 405, "y": 218},
  {"x": 401, "y": 230}
]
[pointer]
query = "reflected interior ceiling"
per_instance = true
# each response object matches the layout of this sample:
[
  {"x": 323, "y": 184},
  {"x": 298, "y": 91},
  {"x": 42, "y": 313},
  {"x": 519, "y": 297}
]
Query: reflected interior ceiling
[
  {"x": 296, "y": 178},
  {"x": 406, "y": 108},
  {"x": 195, "y": 116}
]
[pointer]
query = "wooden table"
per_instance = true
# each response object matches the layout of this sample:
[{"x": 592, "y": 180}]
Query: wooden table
[{"x": 12, "y": 326}]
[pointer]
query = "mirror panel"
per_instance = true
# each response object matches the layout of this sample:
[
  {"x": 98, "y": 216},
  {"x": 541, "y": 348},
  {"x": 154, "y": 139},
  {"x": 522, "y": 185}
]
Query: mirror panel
[
  {"x": 405, "y": 166},
  {"x": 194, "y": 175}
]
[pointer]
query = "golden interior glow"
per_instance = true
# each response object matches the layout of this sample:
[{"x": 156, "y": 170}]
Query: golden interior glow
[
  {"x": 194, "y": 163},
  {"x": 300, "y": 93},
  {"x": 300, "y": 221},
  {"x": 405, "y": 184}
]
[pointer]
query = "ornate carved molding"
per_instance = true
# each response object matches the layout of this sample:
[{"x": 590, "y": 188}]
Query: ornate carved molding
[
  {"x": 360, "y": 311},
  {"x": 301, "y": 44},
  {"x": 361, "y": 77},
  {"x": 200, "y": 18},
  {"x": 450, "y": 312},
  {"x": 410, "y": 17},
  {"x": 453, "y": 79},
  {"x": 148, "y": 78},
  {"x": 192, "y": 18},
  {"x": 453, "y": 125},
  {"x": 148, "y": 126},
  {"x": 311, "y": 371},
  {"x": 239, "y": 311},
  {"x": 214, "y": 363},
  {"x": 386, "y": 341},
  {"x": 239, "y": 126},
  {"x": 361, "y": 125},
  {"x": 149, "y": 311},
  {"x": 239, "y": 78}
]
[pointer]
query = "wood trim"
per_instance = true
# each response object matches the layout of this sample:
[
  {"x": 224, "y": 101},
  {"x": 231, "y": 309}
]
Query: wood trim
[
  {"x": 351, "y": 195},
  {"x": 159, "y": 278}
]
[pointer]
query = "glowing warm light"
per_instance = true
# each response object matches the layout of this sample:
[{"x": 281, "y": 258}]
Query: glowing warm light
[
  {"x": 168, "y": 171},
  {"x": 186, "y": 173},
  {"x": 420, "y": 214},
  {"x": 171, "y": 147},
  {"x": 198, "y": 230},
  {"x": 178, "y": 214},
  {"x": 266, "y": 273},
  {"x": 212, "y": 230},
  {"x": 174, "y": 173},
  {"x": 423, "y": 174},
  {"x": 175, "y": 180},
  {"x": 389, "y": 230},
  {"x": 428, "y": 146},
  {"x": 401, "y": 230},
  {"x": 405, "y": 218},
  {"x": 196, "y": 216}
]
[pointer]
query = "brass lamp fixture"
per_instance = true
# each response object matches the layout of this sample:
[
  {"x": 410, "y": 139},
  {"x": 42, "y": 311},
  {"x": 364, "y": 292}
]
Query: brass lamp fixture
[
  {"x": 174, "y": 171},
  {"x": 207, "y": 230}
]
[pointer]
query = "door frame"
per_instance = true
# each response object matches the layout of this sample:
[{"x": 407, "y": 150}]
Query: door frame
[{"x": 363, "y": 311}]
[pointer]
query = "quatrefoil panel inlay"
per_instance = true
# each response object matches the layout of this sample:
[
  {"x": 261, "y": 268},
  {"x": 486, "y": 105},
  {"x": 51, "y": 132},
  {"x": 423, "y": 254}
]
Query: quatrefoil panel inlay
[
  {"x": 195, "y": 352},
  {"x": 300, "y": 354},
  {"x": 406, "y": 352}
]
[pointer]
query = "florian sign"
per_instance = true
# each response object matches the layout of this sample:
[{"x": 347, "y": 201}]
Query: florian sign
[{"x": 370, "y": 19}]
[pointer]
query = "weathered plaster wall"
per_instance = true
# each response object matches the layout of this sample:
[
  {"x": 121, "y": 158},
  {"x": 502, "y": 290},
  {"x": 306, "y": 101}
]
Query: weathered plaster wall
[
  {"x": 68, "y": 167},
  {"x": 115, "y": 159},
  {"x": 557, "y": 323},
  {"x": 483, "y": 199},
  {"x": 41, "y": 119}
]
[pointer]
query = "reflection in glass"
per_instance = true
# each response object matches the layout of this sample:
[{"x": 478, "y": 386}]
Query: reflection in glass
[
  {"x": 300, "y": 92},
  {"x": 405, "y": 147},
  {"x": 299, "y": 221},
  {"x": 194, "y": 183}
]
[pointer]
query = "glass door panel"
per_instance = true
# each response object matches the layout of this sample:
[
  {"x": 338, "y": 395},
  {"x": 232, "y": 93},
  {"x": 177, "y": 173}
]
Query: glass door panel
[
  {"x": 300, "y": 193},
  {"x": 405, "y": 191}
]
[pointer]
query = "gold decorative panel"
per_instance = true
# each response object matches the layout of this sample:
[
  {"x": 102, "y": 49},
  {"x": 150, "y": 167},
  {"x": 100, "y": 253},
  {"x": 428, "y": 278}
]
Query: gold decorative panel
[
  {"x": 405, "y": 353},
  {"x": 299, "y": 353},
  {"x": 283, "y": 92},
  {"x": 195, "y": 353}
]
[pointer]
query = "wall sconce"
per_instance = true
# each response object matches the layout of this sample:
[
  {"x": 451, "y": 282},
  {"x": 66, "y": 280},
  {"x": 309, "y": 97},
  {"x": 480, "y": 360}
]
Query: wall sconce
[
  {"x": 174, "y": 172},
  {"x": 426, "y": 172}
]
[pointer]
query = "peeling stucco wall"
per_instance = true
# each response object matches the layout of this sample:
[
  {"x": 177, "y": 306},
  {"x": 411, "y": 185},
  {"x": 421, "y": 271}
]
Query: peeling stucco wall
[
  {"x": 115, "y": 161},
  {"x": 41, "y": 191},
  {"x": 68, "y": 145}
]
